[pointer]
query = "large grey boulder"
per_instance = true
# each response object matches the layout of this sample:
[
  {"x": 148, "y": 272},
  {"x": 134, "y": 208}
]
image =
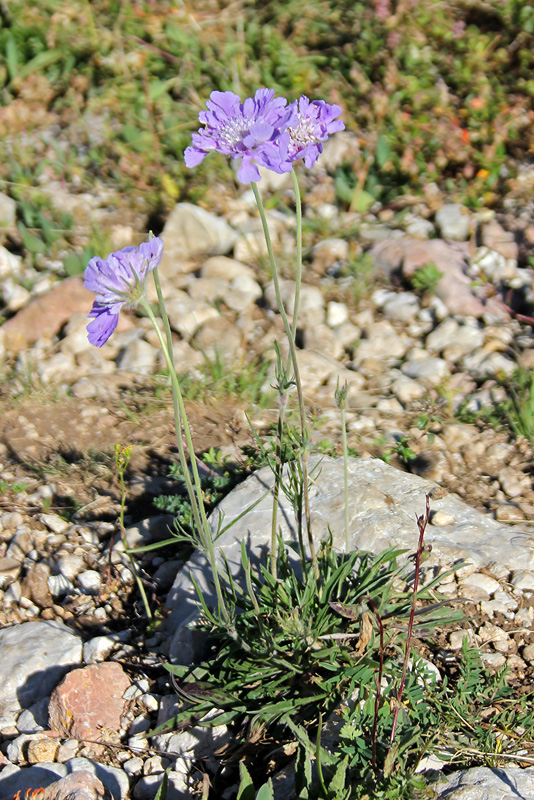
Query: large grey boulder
[{"x": 384, "y": 504}]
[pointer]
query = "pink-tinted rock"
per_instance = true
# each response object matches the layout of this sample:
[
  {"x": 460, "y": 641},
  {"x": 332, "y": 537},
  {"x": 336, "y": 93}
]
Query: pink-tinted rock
[
  {"x": 46, "y": 315},
  {"x": 407, "y": 255},
  {"x": 88, "y": 704},
  {"x": 494, "y": 236}
]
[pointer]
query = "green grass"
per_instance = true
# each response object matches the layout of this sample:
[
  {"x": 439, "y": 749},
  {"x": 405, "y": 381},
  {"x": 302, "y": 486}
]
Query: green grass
[{"x": 106, "y": 94}]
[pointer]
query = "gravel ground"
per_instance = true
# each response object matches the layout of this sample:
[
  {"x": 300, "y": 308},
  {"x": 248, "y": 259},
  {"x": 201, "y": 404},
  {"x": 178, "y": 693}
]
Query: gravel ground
[{"x": 426, "y": 372}]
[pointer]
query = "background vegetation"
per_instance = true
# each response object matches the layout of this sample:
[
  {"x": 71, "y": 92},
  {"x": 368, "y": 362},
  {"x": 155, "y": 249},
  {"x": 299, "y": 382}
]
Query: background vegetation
[{"x": 103, "y": 96}]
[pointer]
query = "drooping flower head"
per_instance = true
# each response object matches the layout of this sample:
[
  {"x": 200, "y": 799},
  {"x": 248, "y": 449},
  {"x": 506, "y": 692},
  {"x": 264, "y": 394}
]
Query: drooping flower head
[
  {"x": 250, "y": 131},
  {"x": 312, "y": 124},
  {"x": 118, "y": 281}
]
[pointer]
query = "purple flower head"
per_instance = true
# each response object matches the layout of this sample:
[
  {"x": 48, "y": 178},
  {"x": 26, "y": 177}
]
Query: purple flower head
[
  {"x": 313, "y": 123},
  {"x": 250, "y": 131},
  {"x": 119, "y": 280}
]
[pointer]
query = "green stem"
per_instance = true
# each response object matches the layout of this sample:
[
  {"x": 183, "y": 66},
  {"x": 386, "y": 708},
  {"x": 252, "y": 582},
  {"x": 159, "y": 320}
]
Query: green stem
[
  {"x": 294, "y": 362},
  {"x": 177, "y": 413},
  {"x": 298, "y": 274},
  {"x": 133, "y": 564},
  {"x": 346, "y": 477},
  {"x": 204, "y": 529}
]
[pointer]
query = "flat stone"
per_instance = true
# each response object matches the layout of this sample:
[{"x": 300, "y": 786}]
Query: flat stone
[
  {"x": 429, "y": 369},
  {"x": 454, "y": 221},
  {"x": 485, "y": 582},
  {"x": 88, "y": 704},
  {"x": 10, "y": 264},
  {"x": 485, "y": 783},
  {"x": 523, "y": 579},
  {"x": 402, "y": 307},
  {"x": 224, "y": 268},
  {"x": 383, "y": 504},
  {"x": 497, "y": 238},
  {"x": 45, "y": 316},
  {"x": 191, "y": 230},
  {"x": 35, "y": 656}
]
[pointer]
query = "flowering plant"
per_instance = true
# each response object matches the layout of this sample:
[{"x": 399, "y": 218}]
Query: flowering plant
[
  {"x": 276, "y": 655},
  {"x": 263, "y": 131}
]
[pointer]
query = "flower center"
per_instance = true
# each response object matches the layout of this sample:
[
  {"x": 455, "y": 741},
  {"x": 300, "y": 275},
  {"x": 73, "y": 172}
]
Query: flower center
[
  {"x": 302, "y": 135},
  {"x": 234, "y": 131}
]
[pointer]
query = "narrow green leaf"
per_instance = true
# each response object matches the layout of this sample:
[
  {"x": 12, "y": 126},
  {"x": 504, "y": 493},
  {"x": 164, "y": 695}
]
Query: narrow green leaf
[
  {"x": 12, "y": 58},
  {"x": 40, "y": 61},
  {"x": 30, "y": 241},
  {"x": 383, "y": 151},
  {"x": 161, "y": 794}
]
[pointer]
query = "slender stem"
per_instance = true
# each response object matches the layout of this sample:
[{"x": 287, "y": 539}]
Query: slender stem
[
  {"x": 204, "y": 529},
  {"x": 422, "y": 522},
  {"x": 277, "y": 479},
  {"x": 177, "y": 413},
  {"x": 295, "y": 365},
  {"x": 380, "y": 673},
  {"x": 298, "y": 274},
  {"x": 346, "y": 476},
  {"x": 133, "y": 563}
]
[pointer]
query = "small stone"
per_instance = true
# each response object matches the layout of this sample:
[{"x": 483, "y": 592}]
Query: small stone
[
  {"x": 442, "y": 518},
  {"x": 42, "y": 749},
  {"x": 98, "y": 649},
  {"x": 89, "y": 581},
  {"x": 336, "y": 314},
  {"x": 191, "y": 230},
  {"x": 431, "y": 370},
  {"x": 67, "y": 750},
  {"x": 456, "y": 639},
  {"x": 138, "y": 743},
  {"x": 223, "y": 268},
  {"x": 473, "y": 593},
  {"x": 419, "y": 228},
  {"x": 454, "y": 222},
  {"x": 8, "y": 211},
  {"x": 402, "y": 307},
  {"x": 54, "y": 523},
  {"x": 494, "y": 236},
  {"x": 528, "y": 653},
  {"x": 138, "y": 357},
  {"x": 493, "y": 660},
  {"x": 70, "y": 565},
  {"x": 45, "y": 316},
  {"x": 139, "y": 725},
  {"x": 509, "y": 513},
  {"x": 9, "y": 570},
  {"x": 327, "y": 253},
  {"x": 134, "y": 766},
  {"x": 523, "y": 579},
  {"x": 514, "y": 483},
  {"x": 484, "y": 582},
  {"x": 147, "y": 787},
  {"x": 407, "y": 390},
  {"x": 516, "y": 664},
  {"x": 243, "y": 293},
  {"x": 14, "y": 296}
]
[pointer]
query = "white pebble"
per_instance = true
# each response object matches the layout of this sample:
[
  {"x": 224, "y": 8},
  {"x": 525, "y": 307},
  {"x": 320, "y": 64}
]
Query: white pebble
[
  {"x": 134, "y": 766},
  {"x": 89, "y": 581}
]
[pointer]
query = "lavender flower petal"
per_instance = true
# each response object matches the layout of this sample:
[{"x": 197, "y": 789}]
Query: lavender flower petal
[
  {"x": 117, "y": 281},
  {"x": 250, "y": 130},
  {"x": 312, "y": 124},
  {"x": 103, "y": 324}
]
